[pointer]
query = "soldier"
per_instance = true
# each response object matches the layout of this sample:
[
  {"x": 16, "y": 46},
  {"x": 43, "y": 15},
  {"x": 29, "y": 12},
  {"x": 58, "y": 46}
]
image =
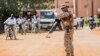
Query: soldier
[{"x": 67, "y": 21}]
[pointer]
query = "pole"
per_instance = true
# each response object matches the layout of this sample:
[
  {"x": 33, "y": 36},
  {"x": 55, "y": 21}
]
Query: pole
[
  {"x": 92, "y": 7},
  {"x": 57, "y": 3},
  {"x": 87, "y": 7},
  {"x": 74, "y": 8}
]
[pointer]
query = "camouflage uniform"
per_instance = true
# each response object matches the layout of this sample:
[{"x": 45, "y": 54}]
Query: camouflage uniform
[{"x": 67, "y": 21}]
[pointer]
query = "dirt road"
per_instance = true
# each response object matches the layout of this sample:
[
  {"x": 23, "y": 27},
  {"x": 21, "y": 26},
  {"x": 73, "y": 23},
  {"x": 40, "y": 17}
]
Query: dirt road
[{"x": 85, "y": 43}]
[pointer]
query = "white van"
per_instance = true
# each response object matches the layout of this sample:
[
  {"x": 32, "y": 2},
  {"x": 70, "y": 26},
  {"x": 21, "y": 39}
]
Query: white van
[{"x": 47, "y": 17}]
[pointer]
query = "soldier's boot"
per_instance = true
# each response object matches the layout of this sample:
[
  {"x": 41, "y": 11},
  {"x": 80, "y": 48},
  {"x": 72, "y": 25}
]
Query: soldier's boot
[{"x": 68, "y": 54}]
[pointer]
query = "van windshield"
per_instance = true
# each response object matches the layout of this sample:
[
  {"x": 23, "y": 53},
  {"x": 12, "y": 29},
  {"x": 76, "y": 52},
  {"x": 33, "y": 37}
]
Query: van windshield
[{"x": 47, "y": 14}]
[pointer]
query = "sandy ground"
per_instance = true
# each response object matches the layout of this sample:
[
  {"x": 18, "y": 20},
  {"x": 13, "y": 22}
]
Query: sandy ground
[{"x": 86, "y": 43}]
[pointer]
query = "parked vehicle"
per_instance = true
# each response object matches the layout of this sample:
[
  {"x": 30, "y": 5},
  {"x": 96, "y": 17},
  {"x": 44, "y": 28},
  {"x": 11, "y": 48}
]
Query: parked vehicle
[{"x": 47, "y": 18}]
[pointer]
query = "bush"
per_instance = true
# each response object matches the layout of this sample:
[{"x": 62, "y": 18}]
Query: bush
[{"x": 86, "y": 22}]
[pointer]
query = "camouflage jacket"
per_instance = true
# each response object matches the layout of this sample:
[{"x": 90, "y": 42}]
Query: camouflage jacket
[{"x": 67, "y": 20}]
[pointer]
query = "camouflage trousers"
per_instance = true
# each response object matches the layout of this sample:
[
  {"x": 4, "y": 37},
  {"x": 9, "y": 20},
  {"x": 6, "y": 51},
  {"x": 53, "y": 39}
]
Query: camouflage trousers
[{"x": 68, "y": 42}]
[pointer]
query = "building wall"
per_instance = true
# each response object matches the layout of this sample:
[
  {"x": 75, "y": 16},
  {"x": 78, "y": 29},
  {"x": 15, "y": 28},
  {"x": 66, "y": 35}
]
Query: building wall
[
  {"x": 82, "y": 7},
  {"x": 96, "y": 6}
]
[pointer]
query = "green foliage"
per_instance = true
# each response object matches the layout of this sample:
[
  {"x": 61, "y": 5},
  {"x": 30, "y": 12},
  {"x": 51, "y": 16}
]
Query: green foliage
[
  {"x": 86, "y": 21},
  {"x": 8, "y": 7}
]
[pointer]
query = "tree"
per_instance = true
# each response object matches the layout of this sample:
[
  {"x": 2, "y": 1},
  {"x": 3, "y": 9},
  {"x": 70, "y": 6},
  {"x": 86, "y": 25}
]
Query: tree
[
  {"x": 36, "y": 3},
  {"x": 8, "y": 7}
]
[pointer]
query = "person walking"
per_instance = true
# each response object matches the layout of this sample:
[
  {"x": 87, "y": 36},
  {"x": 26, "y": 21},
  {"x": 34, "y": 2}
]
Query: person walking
[
  {"x": 91, "y": 22},
  {"x": 35, "y": 24},
  {"x": 82, "y": 22},
  {"x": 75, "y": 23},
  {"x": 11, "y": 23},
  {"x": 21, "y": 21}
]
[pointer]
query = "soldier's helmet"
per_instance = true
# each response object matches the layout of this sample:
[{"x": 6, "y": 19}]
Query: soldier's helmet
[{"x": 64, "y": 5}]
